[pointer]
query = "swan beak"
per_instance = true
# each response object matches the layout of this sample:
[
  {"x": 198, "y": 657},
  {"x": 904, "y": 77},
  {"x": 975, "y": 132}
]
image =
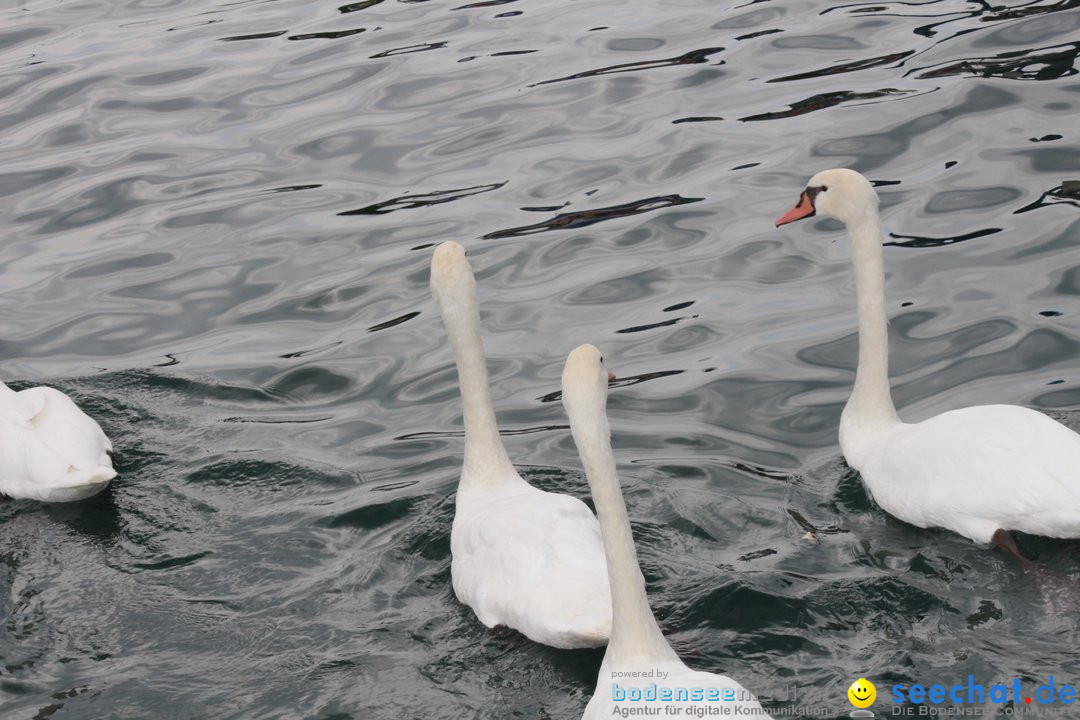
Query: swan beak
[
  {"x": 803, "y": 208},
  {"x": 610, "y": 376}
]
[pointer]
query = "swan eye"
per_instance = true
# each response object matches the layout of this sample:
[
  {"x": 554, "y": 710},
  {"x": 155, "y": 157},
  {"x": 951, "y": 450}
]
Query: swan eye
[{"x": 824, "y": 188}]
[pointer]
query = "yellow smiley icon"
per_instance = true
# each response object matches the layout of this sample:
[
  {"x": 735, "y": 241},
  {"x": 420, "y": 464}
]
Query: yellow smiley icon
[{"x": 862, "y": 693}]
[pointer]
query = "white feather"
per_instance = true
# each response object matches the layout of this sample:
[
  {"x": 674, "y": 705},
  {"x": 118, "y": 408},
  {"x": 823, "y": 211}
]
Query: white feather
[
  {"x": 978, "y": 469},
  {"x": 972, "y": 471},
  {"x": 50, "y": 450},
  {"x": 524, "y": 558}
]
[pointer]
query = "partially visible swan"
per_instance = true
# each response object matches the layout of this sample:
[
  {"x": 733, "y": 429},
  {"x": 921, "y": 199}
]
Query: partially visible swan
[
  {"x": 50, "y": 449},
  {"x": 524, "y": 558},
  {"x": 637, "y": 645},
  {"x": 978, "y": 471}
]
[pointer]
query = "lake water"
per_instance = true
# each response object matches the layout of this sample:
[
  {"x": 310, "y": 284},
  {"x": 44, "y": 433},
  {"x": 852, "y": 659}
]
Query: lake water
[{"x": 216, "y": 228}]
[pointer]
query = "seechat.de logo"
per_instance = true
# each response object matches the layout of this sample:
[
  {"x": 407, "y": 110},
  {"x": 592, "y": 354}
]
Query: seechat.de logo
[{"x": 862, "y": 694}]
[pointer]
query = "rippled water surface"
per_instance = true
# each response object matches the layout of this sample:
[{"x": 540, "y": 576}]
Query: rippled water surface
[{"x": 217, "y": 221}]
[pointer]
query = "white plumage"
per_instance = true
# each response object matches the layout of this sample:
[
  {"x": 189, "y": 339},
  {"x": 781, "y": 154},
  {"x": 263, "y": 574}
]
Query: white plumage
[
  {"x": 637, "y": 645},
  {"x": 521, "y": 557},
  {"x": 50, "y": 449},
  {"x": 974, "y": 471}
]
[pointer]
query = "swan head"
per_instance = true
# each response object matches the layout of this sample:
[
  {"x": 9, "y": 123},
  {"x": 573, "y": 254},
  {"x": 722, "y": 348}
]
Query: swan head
[
  {"x": 450, "y": 272},
  {"x": 841, "y": 194},
  {"x": 584, "y": 383}
]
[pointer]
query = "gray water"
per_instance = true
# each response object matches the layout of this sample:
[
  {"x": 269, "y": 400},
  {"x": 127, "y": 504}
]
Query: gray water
[{"x": 216, "y": 228}]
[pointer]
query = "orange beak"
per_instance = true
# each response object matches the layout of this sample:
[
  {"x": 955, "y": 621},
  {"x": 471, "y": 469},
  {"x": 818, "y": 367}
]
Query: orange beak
[
  {"x": 610, "y": 376},
  {"x": 803, "y": 208}
]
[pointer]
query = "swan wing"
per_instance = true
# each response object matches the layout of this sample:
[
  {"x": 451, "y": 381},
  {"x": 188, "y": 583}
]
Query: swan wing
[
  {"x": 981, "y": 468},
  {"x": 66, "y": 428},
  {"x": 534, "y": 561}
]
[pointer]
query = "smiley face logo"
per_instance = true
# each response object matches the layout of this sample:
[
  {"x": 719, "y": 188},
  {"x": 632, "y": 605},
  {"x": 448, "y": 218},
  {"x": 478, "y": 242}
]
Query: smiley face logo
[{"x": 862, "y": 693}]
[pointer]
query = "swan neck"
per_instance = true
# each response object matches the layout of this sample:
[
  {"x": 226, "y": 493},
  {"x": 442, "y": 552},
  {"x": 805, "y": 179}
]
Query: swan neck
[
  {"x": 635, "y": 636},
  {"x": 486, "y": 461},
  {"x": 871, "y": 399}
]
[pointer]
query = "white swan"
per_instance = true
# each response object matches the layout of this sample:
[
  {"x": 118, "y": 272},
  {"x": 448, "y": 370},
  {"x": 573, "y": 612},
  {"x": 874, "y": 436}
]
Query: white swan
[
  {"x": 50, "y": 449},
  {"x": 521, "y": 557},
  {"x": 637, "y": 645},
  {"x": 978, "y": 471}
]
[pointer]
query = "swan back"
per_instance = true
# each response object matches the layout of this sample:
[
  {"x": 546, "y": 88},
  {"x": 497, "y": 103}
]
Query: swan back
[{"x": 50, "y": 450}]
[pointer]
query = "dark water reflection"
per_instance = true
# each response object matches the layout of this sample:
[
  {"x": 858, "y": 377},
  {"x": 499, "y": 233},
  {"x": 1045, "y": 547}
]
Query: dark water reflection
[{"x": 218, "y": 219}]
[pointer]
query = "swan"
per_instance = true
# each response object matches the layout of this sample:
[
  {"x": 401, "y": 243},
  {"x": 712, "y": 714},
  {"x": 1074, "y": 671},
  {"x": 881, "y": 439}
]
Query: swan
[
  {"x": 978, "y": 471},
  {"x": 50, "y": 450},
  {"x": 521, "y": 557},
  {"x": 637, "y": 645}
]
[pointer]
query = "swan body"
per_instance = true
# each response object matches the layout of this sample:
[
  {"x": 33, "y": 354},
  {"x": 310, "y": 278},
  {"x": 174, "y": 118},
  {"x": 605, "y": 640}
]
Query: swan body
[
  {"x": 637, "y": 645},
  {"x": 50, "y": 450},
  {"x": 521, "y": 557},
  {"x": 976, "y": 471}
]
